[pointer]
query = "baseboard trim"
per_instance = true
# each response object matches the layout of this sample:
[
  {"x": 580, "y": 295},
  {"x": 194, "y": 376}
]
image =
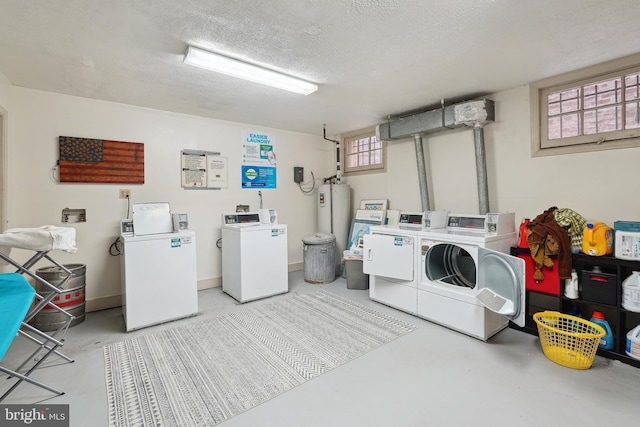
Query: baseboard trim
[
  {"x": 297, "y": 266},
  {"x": 213, "y": 282},
  {"x": 103, "y": 303}
]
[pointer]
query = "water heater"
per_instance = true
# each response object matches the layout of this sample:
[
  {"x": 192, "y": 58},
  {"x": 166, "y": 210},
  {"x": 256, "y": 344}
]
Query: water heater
[{"x": 334, "y": 214}]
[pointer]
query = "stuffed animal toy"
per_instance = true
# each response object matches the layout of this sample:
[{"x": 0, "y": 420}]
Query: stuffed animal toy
[
  {"x": 541, "y": 253},
  {"x": 546, "y": 238}
]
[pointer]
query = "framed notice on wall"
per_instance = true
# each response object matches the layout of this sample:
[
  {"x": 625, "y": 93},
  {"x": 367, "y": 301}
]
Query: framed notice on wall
[{"x": 203, "y": 170}]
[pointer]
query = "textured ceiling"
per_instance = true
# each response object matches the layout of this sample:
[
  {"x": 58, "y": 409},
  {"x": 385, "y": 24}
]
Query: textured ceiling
[{"x": 370, "y": 58}]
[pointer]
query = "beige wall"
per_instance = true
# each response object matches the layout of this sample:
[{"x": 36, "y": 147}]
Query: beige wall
[
  {"x": 38, "y": 118},
  {"x": 598, "y": 185},
  {"x": 4, "y": 91},
  {"x": 5, "y": 88},
  {"x": 601, "y": 186}
]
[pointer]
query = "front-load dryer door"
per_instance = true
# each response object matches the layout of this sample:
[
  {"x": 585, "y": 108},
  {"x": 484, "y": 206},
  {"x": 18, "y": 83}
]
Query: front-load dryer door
[
  {"x": 501, "y": 284},
  {"x": 389, "y": 256}
]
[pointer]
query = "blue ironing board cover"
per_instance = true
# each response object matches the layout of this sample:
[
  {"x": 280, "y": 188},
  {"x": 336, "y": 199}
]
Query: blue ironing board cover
[{"x": 16, "y": 296}]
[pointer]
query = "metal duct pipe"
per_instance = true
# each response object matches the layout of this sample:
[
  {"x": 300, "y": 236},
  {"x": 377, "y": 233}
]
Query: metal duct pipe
[
  {"x": 422, "y": 173},
  {"x": 481, "y": 169},
  {"x": 467, "y": 113}
]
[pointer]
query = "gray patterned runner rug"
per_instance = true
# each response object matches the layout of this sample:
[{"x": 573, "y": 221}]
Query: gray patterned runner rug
[{"x": 205, "y": 373}]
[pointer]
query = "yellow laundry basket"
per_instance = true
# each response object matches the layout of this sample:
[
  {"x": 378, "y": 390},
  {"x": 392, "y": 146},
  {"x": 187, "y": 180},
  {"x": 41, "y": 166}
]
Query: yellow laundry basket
[{"x": 568, "y": 340}]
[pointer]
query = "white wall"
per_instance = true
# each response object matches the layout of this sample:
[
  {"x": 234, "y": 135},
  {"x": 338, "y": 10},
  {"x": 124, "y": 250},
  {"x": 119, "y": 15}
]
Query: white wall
[
  {"x": 601, "y": 186},
  {"x": 5, "y": 86},
  {"x": 598, "y": 185},
  {"x": 35, "y": 198}
]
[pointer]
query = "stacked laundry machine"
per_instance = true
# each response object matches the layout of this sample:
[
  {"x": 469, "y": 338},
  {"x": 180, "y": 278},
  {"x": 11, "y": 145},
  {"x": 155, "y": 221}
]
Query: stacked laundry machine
[{"x": 451, "y": 269}]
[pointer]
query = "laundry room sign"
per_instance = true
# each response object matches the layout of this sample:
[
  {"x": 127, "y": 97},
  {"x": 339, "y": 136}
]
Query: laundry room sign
[
  {"x": 203, "y": 170},
  {"x": 258, "y": 160}
]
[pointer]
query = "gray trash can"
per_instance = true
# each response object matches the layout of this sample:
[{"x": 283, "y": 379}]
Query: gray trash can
[
  {"x": 319, "y": 258},
  {"x": 356, "y": 279}
]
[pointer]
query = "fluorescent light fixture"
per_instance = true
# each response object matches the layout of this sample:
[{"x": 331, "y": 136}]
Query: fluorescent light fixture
[{"x": 233, "y": 67}]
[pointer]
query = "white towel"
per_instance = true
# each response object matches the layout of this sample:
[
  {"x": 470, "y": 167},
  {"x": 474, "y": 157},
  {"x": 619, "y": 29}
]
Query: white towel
[{"x": 45, "y": 238}]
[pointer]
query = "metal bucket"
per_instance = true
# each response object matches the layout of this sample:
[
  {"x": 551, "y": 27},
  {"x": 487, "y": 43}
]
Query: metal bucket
[
  {"x": 71, "y": 299},
  {"x": 319, "y": 258}
]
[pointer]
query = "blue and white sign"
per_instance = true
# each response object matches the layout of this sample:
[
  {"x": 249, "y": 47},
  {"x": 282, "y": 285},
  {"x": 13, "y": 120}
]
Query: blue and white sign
[{"x": 258, "y": 160}]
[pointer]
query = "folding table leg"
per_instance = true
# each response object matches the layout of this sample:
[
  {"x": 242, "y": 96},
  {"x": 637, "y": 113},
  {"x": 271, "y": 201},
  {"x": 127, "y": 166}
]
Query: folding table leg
[
  {"x": 24, "y": 269},
  {"x": 25, "y": 377},
  {"x": 42, "y": 344},
  {"x": 43, "y": 301}
]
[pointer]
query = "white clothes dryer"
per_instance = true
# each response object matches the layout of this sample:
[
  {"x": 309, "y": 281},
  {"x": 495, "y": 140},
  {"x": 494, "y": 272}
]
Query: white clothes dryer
[
  {"x": 468, "y": 282},
  {"x": 390, "y": 258}
]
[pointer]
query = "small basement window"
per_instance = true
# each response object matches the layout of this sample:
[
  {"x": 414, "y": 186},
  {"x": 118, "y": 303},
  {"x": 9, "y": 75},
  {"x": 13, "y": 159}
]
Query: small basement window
[
  {"x": 362, "y": 152},
  {"x": 596, "y": 108}
]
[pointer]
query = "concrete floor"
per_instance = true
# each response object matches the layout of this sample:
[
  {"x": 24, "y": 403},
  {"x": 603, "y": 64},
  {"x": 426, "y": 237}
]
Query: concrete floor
[{"x": 432, "y": 376}]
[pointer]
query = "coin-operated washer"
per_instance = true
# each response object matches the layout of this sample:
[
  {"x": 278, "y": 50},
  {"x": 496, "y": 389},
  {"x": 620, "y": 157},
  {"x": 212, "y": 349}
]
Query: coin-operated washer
[
  {"x": 391, "y": 259},
  {"x": 467, "y": 281},
  {"x": 254, "y": 257}
]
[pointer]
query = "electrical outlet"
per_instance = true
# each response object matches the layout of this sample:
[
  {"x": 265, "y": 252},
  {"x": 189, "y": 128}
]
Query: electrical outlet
[
  {"x": 125, "y": 194},
  {"x": 298, "y": 174}
]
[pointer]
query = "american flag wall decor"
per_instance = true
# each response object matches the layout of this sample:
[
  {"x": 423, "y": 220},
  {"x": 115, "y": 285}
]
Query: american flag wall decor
[{"x": 101, "y": 161}]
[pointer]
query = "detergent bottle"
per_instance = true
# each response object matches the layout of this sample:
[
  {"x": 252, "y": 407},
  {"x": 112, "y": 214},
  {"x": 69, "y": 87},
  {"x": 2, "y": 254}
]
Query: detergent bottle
[
  {"x": 571, "y": 286},
  {"x": 574, "y": 311},
  {"x": 606, "y": 342},
  {"x": 522, "y": 241},
  {"x": 597, "y": 239},
  {"x": 633, "y": 343},
  {"x": 631, "y": 292}
]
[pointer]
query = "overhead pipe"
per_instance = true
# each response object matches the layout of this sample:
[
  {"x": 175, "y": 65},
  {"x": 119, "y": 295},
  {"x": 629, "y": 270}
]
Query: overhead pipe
[
  {"x": 468, "y": 113},
  {"x": 324, "y": 133},
  {"x": 422, "y": 172},
  {"x": 481, "y": 169},
  {"x": 445, "y": 118}
]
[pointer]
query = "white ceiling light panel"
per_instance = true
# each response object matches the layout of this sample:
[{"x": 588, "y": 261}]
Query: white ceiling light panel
[{"x": 233, "y": 67}]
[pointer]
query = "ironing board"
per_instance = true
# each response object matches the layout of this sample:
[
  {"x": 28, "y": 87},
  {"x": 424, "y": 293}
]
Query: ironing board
[
  {"x": 16, "y": 295},
  {"x": 45, "y": 238},
  {"x": 41, "y": 240}
]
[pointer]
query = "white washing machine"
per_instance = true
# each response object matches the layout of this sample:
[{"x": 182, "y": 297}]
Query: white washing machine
[
  {"x": 468, "y": 282},
  {"x": 158, "y": 269},
  {"x": 254, "y": 257},
  {"x": 390, "y": 259}
]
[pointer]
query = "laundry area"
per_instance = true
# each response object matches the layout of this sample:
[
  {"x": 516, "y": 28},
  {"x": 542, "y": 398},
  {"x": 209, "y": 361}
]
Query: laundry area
[{"x": 351, "y": 213}]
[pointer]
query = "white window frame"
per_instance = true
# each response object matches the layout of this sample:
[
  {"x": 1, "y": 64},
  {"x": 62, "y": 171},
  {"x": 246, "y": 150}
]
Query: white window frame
[
  {"x": 542, "y": 146},
  {"x": 344, "y": 152}
]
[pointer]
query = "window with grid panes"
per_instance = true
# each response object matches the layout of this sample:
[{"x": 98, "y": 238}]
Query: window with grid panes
[
  {"x": 592, "y": 109},
  {"x": 363, "y": 152}
]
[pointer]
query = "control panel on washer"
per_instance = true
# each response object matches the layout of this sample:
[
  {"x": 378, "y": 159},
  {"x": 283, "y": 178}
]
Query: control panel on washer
[
  {"x": 241, "y": 218},
  {"x": 490, "y": 224},
  {"x": 410, "y": 218}
]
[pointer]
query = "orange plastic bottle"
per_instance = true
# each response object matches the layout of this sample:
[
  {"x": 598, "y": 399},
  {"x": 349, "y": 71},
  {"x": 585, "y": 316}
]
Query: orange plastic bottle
[
  {"x": 597, "y": 239},
  {"x": 522, "y": 241}
]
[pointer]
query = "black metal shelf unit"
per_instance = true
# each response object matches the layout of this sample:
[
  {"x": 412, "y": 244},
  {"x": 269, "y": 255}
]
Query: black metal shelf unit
[{"x": 604, "y": 295}]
